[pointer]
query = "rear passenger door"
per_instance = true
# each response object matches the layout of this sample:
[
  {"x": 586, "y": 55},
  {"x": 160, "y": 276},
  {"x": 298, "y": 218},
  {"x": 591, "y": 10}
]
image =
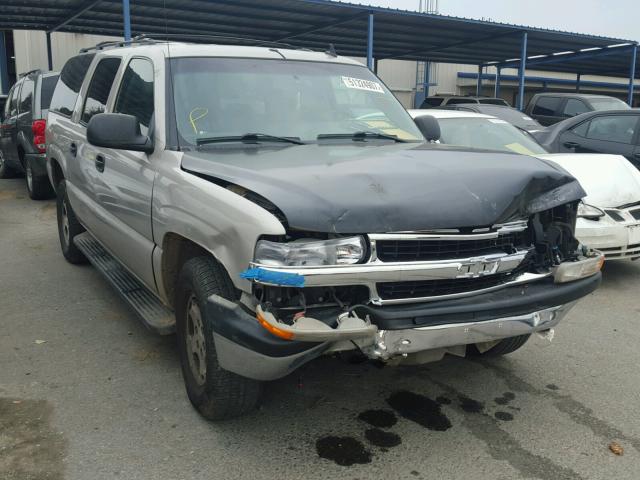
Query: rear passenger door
[
  {"x": 8, "y": 127},
  {"x": 124, "y": 186},
  {"x": 546, "y": 110}
]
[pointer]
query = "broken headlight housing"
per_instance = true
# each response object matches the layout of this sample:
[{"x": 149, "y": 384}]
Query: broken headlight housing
[
  {"x": 304, "y": 253},
  {"x": 589, "y": 211}
]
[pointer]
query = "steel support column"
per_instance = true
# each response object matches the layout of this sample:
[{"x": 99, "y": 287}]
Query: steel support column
[
  {"x": 632, "y": 74},
  {"x": 496, "y": 93},
  {"x": 49, "y": 54},
  {"x": 479, "y": 82},
  {"x": 369, "y": 42},
  {"x": 521, "y": 70},
  {"x": 427, "y": 79},
  {"x": 578, "y": 83},
  {"x": 4, "y": 65},
  {"x": 126, "y": 19}
]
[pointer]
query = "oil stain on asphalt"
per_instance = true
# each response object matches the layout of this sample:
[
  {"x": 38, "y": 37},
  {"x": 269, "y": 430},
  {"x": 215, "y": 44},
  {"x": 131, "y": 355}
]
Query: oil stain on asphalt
[
  {"x": 345, "y": 451},
  {"x": 379, "y": 418},
  {"x": 419, "y": 409},
  {"x": 29, "y": 448}
]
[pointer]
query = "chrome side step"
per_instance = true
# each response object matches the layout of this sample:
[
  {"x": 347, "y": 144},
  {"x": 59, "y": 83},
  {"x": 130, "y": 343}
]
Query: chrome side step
[{"x": 149, "y": 309}]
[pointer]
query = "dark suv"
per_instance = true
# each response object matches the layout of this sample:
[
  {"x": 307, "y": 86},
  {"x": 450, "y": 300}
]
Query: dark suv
[
  {"x": 550, "y": 108},
  {"x": 22, "y": 143}
]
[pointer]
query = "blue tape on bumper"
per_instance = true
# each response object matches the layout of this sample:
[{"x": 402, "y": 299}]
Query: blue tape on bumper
[{"x": 275, "y": 278}]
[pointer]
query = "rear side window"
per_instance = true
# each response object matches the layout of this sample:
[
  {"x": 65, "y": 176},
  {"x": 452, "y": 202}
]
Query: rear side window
[
  {"x": 26, "y": 97},
  {"x": 11, "y": 108},
  {"x": 454, "y": 101},
  {"x": 67, "y": 89},
  {"x": 613, "y": 128},
  {"x": 575, "y": 107},
  {"x": 136, "y": 92},
  {"x": 546, "y": 106},
  {"x": 46, "y": 91},
  {"x": 432, "y": 102},
  {"x": 99, "y": 88}
]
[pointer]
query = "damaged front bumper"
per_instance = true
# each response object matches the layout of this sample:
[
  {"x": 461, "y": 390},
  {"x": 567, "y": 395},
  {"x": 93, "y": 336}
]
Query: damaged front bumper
[{"x": 246, "y": 346}]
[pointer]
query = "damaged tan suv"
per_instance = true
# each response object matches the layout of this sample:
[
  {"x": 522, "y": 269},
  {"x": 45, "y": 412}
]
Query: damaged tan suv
[{"x": 273, "y": 205}]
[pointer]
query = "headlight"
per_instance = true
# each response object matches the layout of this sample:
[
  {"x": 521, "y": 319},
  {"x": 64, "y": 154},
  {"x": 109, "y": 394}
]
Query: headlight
[
  {"x": 337, "y": 251},
  {"x": 588, "y": 211}
]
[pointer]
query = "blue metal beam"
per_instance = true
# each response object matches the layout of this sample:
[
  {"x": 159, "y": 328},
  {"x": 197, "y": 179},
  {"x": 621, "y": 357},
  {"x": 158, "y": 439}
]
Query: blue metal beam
[
  {"x": 85, "y": 7},
  {"x": 126, "y": 19},
  {"x": 549, "y": 80},
  {"x": 569, "y": 57},
  {"x": 49, "y": 54},
  {"x": 523, "y": 66},
  {"x": 497, "y": 89},
  {"x": 578, "y": 83},
  {"x": 479, "y": 82},
  {"x": 4, "y": 65},
  {"x": 632, "y": 74},
  {"x": 369, "y": 43}
]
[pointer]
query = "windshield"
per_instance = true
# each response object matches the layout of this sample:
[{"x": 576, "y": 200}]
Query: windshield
[
  {"x": 487, "y": 134},
  {"x": 229, "y": 97},
  {"x": 608, "y": 103}
]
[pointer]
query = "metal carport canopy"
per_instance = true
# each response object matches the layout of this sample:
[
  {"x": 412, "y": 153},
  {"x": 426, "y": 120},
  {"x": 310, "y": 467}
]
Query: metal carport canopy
[{"x": 355, "y": 30}]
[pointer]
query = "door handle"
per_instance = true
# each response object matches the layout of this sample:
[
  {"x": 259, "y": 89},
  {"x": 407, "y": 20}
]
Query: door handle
[
  {"x": 571, "y": 144},
  {"x": 100, "y": 163},
  {"x": 73, "y": 148}
]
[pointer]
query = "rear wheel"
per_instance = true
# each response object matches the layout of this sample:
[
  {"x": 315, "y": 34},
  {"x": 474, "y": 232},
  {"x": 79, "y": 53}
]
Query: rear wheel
[
  {"x": 5, "y": 170},
  {"x": 38, "y": 186},
  {"x": 68, "y": 227},
  {"x": 216, "y": 393},
  {"x": 502, "y": 347}
]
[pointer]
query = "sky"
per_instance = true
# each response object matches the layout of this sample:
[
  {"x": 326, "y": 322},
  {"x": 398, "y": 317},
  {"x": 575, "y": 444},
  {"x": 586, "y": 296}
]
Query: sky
[{"x": 610, "y": 18}]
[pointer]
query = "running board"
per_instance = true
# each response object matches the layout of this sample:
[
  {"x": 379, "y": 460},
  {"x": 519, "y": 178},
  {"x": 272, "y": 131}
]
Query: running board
[{"x": 149, "y": 309}]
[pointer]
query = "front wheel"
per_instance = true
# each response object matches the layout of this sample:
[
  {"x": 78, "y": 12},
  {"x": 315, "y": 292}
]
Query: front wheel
[
  {"x": 502, "y": 347},
  {"x": 216, "y": 393}
]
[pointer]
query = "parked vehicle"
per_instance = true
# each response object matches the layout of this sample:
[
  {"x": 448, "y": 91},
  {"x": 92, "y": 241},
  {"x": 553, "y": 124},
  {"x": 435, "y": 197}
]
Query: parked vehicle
[
  {"x": 438, "y": 101},
  {"x": 608, "y": 217},
  {"x": 283, "y": 205},
  {"x": 22, "y": 141},
  {"x": 512, "y": 115},
  {"x": 3, "y": 102},
  {"x": 550, "y": 108},
  {"x": 616, "y": 132}
]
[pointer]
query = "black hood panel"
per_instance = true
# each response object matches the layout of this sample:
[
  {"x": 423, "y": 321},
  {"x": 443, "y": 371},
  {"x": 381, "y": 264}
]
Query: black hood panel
[{"x": 375, "y": 189}]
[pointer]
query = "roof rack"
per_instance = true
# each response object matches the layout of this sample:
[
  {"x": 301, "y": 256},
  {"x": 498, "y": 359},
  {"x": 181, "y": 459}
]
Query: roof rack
[
  {"x": 214, "y": 38},
  {"x": 118, "y": 43},
  {"x": 24, "y": 74}
]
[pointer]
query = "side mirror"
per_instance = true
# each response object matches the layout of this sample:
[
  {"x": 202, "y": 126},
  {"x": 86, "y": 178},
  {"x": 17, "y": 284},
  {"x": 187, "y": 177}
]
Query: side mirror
[
  {"x": 429, "y": 127},
  {"x": 118, "y": 131}
]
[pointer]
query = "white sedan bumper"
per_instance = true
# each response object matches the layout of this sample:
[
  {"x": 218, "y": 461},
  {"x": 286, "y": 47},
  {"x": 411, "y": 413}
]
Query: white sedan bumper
[{"x": 618, "y": 240}]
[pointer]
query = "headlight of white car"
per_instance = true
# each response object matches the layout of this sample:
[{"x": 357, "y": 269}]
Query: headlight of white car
[
  {"x": 589, "y": 211},
  {"x": 337, "y": 251}
]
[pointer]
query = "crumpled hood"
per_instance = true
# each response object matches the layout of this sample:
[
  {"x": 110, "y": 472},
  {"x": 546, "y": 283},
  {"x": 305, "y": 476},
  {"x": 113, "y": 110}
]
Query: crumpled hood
[
  {"x": 373, "y": 188},
  {"x": 609, "y": 180}
]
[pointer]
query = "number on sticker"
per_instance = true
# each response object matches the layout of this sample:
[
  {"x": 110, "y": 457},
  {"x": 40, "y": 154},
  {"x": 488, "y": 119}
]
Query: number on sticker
[{"x": 360, "y": 84}]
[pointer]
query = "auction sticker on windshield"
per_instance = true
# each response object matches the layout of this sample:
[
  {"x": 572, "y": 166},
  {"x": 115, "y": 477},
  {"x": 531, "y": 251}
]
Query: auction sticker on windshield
[{"x": 360, "y": 84}]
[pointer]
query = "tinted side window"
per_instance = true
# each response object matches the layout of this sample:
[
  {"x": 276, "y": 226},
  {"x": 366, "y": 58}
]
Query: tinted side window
[
  {"x": 613, "y": 128},
  {"x": 581, "y": 129},
  {"x": 454, "y": 101},
  {"x": 546, "y": 106},
  {"x": 136, "y": 92},
  {"x": 432, "y": 102},
  {"x": 99, "y": 88},
  {"x": 10, "y": 101},
  {"x": 26, "y": 97},
  {"x": 67, "y": 89},
  {"x": 47, "y": 87},
  {"x": 575, "y": 107}
]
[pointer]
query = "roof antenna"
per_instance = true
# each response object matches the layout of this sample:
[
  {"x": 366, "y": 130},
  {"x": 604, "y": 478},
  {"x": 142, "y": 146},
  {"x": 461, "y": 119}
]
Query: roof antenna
[{"x": 331, "y": 51}]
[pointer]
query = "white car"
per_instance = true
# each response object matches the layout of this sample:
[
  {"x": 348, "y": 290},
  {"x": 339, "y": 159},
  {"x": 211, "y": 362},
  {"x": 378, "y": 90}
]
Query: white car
[{"x": 608, "y": 217}]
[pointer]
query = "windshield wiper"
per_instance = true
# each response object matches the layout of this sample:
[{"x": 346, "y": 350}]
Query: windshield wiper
[
  {"x": 361, "y": 136},
  {"x": 250, "y": 138}
]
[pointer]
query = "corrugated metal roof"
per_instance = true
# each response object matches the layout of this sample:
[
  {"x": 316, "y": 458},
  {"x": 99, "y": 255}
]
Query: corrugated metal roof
[{"x": 316, "y": 23}]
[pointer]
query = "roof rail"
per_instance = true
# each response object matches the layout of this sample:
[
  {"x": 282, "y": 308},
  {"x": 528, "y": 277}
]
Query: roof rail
[
  {"x": 117, "y": 43},
  {"x": 215, "y": 38},
  {"x": 24, "y": 74}
]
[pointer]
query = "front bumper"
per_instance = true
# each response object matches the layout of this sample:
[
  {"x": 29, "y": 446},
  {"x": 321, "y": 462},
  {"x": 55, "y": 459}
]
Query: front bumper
[
  {"x": 243, "y": 346},
  {"x": 617, "y": 240}
]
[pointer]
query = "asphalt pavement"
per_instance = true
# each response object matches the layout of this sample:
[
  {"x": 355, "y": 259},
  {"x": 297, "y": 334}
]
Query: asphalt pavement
[{"x": 86, "y": 392}]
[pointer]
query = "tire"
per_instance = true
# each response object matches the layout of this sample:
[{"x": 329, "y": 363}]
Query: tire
[
  {"x": 216, "y": 393},
  {"x": 38, "y": 186},
  {"x": 68, "y": 227},
  {"x": 5, "y": 170},
  {"x": 503, "y": 347}
]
